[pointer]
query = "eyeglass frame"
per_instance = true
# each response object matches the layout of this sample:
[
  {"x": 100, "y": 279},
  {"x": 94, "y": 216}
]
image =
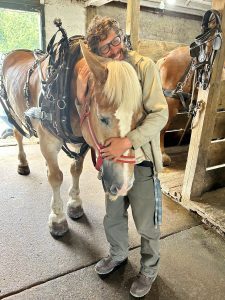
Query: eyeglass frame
[{"x": 111, "y": 44}]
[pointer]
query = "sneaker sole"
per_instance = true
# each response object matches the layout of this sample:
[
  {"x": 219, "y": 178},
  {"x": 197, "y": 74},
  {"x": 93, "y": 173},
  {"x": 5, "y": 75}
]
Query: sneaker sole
[
  {"x": 103, "y": 275},
  {"x": 140, "y": 296}
]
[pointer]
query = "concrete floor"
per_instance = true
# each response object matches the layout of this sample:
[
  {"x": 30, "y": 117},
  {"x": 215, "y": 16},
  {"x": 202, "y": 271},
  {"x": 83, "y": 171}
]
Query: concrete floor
[{"x": 33, "y": 265}]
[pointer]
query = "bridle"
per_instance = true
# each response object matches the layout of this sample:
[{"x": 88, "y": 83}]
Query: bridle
[{"x": 85, "y": 117}]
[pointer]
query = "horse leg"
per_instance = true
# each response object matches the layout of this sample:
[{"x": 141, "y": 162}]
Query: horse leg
[
  {"x": 174, "y": 106},
  {"x": 50, "y": 147},
  {"x": 74, "y": 206},
  {"x": 23, "y": 167},
  {"x": 165, "y": 157}
]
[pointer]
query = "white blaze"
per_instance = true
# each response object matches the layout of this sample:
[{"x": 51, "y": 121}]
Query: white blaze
[{"x": 125, "y": 119}]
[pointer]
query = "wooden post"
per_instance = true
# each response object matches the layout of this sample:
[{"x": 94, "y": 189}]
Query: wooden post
[
  {"x": 195, "y": 178},
  {"x": 91, "y": 11},
  {"x": 132, "y": 22}
]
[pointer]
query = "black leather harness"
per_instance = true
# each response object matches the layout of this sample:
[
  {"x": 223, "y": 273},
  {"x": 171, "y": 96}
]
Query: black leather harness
[
  {"x": 200, "y": 62},
  {"x": 54, "y": 101},
  {"x": 178, "y": 92}
]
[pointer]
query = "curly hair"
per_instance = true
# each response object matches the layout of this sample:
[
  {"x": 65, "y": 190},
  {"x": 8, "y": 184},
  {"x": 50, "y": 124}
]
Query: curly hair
[{"x": 98, "y": 30}]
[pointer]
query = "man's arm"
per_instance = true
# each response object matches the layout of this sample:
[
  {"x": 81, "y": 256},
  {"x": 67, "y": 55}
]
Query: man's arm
[
  {"x": 154, "y": 104},
  {"x": 157, "y": 114}
]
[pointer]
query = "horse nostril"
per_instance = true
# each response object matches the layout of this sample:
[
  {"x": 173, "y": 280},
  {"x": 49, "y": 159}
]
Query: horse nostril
[{"x": 113, "y": 189}]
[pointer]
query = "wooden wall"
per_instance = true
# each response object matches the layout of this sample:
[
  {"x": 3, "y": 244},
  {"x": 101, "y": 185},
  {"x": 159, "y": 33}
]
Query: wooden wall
[{"x": 215, "y": 165}]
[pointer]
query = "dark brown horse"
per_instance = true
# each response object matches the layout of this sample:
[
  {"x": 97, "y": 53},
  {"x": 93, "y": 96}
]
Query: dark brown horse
[{"x": 105, "y": 114}]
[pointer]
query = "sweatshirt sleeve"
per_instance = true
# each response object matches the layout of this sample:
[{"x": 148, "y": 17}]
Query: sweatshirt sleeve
[{"x": 154, "y": 104}]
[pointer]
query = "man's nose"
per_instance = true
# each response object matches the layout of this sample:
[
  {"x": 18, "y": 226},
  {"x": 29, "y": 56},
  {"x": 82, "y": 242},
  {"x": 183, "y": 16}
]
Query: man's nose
[{"x": 113, "y": 50}]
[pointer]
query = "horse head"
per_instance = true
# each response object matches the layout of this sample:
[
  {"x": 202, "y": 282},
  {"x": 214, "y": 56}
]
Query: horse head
[{"x": 113, "y": 105}]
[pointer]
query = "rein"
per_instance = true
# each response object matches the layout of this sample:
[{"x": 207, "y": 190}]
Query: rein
[{"x": 85, "y": 115}]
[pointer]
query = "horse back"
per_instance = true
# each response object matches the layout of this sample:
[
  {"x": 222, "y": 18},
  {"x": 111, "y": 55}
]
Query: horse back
[
  {"x": 173, "y": 66},
  {"x": 14, "y": 70}
]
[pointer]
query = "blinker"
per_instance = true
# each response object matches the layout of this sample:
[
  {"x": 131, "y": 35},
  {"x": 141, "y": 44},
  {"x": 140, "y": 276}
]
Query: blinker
[
  {"x": 217, "y": 42},
  {"x": 194, "y": 50}
]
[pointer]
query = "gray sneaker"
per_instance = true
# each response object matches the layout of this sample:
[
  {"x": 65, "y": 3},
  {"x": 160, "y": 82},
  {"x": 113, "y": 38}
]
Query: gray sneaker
[
  {"x": 108, "y": 264},
  {"x": 141, "y": 285}
]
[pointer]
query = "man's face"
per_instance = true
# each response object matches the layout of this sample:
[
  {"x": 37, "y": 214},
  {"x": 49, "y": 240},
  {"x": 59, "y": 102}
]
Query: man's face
[{"x": 112, "y": 46}]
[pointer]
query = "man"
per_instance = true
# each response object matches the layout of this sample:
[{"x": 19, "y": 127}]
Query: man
[{"x": 104, "y": 38}]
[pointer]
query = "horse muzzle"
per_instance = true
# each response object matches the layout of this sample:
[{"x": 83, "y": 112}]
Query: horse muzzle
[{"x": 117, "y": 178}]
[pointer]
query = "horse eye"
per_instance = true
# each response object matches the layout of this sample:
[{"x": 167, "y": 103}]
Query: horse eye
[{"x": 104, "y": 120}]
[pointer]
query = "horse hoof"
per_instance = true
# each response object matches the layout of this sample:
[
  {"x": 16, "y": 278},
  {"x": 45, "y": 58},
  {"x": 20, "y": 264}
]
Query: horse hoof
[
  {"x": 23, "y": 170},
  {"x": 166, "y": 160},
  {"x": 75, "y": 212},
  {"x": 59, "y": 229}
]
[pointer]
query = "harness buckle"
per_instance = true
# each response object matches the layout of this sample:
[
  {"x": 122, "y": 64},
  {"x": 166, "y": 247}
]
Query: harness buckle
[
  {"x": 179, "y": 87},
  {"x": 46, "y": 116}
]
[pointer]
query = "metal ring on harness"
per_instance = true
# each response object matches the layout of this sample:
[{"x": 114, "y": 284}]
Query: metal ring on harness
[{"x": 61, "y": 104}]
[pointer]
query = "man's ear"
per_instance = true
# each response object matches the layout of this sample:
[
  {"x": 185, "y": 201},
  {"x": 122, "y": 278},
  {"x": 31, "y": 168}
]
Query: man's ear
[{"x": 96, "y": 64}]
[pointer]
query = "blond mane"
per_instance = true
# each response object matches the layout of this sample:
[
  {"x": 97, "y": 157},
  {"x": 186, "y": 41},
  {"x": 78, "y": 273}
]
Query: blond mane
[{"x": 122, "y": 87}]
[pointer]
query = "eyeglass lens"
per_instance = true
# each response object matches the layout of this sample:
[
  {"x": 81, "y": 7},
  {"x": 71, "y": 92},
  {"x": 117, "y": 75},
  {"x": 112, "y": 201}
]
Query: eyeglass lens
[{"x": 106, "y": 48}]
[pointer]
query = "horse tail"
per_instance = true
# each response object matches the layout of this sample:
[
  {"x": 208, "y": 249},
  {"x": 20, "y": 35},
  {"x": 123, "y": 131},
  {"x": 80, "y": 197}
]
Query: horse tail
[
  {"x": 4, "y": 100},
  {"x": 3, "y": 93}
]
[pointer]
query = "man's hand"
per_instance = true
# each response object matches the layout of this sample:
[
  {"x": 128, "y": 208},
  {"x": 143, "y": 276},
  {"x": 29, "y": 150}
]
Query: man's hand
[
  {"x": 82, "y": 81},
  {"x": 115, "y": 147}
]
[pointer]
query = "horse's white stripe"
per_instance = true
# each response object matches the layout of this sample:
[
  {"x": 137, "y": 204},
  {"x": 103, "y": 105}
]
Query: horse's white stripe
[{"x": 125, "y": 119}]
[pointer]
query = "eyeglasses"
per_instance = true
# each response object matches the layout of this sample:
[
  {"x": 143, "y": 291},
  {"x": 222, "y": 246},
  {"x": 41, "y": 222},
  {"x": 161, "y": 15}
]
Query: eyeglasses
[{"x": 106, "y": 48}]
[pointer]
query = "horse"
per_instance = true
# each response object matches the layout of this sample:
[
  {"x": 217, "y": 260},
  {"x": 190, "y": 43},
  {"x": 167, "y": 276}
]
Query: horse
[
  {"x": 105, "y": 113},
  {"x": 184, "y": 69},
  {"x": 171, "y": 68}
]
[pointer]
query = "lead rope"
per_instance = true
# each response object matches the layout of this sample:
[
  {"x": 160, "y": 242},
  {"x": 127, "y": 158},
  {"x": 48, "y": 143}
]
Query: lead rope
[{"x": 158, "y": 201}]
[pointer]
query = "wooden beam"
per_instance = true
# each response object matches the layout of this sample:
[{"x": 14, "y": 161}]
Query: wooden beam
[
  {"x": 202, "y": 133},
  {"x": 216, "y": 153},
  {"x": 91, "y": 11},
  {"x": 97, "y": 2},
  {"x": 197, "y": 10},
  {"x": 222, "y": 93},
  {"x": 219, "y": 130},
  {"x": 132, "y": 22}
]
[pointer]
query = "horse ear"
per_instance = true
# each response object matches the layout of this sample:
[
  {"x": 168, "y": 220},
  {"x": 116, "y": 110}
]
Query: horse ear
[{"x": 96, "y": 64}]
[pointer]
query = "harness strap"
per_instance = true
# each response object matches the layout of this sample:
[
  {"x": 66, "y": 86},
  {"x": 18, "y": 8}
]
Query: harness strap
[
  {"x": 182, "y": 96},
  {"x": 84, "y": 148},
  {"x": 178, "y": 92},
  {"x": 12, "y": 120},
  {"x": 11, "y": 115},
  {"x": 183, "y": 78}
]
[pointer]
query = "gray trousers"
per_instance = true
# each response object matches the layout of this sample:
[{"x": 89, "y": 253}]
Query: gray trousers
[{"x": 142, "y": 201}]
